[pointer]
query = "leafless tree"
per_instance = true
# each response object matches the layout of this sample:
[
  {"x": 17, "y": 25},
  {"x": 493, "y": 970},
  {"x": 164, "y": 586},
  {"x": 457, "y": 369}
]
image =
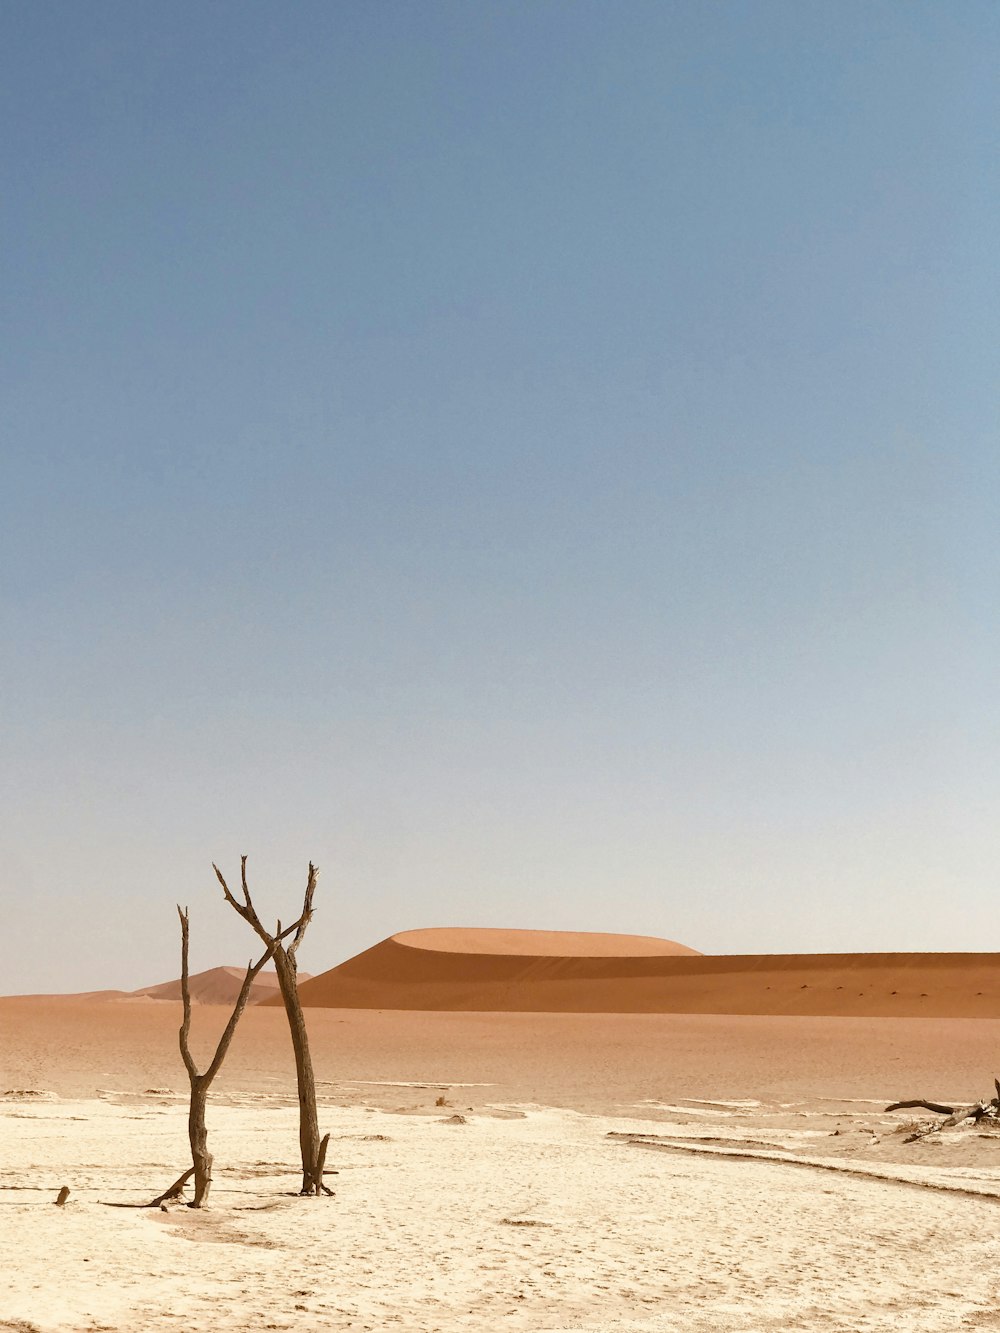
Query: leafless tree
[
  {"x": 312, "y": 1147},
  {"x": 200, "y": 1082}
]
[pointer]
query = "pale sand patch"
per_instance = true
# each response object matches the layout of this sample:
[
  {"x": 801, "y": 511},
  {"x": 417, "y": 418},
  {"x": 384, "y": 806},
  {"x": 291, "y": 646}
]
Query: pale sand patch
[{"x": 541, "y": 1223}]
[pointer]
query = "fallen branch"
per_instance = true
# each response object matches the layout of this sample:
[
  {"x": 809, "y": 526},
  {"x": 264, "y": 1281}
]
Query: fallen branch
[
  {"x": 168, "y": 1196},
  {"x": 954, "y": 1115},
  {"x": 783, "y": 1158},
  {"x": 936, "y": 1107}
]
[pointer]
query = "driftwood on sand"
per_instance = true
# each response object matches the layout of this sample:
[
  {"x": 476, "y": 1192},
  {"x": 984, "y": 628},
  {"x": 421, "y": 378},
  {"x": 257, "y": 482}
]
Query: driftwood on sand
[{"x": 954, "y": 1115}]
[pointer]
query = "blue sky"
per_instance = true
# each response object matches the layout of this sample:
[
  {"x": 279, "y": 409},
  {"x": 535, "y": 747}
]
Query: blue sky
[{"x": 537, "y": 460}]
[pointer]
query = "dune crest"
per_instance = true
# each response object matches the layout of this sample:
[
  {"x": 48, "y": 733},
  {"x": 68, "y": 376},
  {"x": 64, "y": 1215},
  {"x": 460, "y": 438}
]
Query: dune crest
[{"x": 538, "y": 943}]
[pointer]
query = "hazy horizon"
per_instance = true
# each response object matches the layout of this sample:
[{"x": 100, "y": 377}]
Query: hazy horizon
[{"x": 537, "y": 461}]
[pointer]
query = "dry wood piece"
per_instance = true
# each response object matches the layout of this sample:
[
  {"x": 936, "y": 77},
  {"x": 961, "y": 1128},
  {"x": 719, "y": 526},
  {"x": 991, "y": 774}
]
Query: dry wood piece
[
  {"x": 321, "y": 1164},
  {"x": 313, "y": 1152},
  {"x": 954, "y": 1115},
  {"x": 936, "y": 1107},
  {"x": 174, "y": 1192},
  {"x": 169, "y": 1196}
]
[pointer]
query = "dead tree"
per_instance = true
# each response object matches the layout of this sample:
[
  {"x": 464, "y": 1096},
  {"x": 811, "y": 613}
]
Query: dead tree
[
  {"x": 200, "y": 1083},
  {"x": 312, "y": 1147}
]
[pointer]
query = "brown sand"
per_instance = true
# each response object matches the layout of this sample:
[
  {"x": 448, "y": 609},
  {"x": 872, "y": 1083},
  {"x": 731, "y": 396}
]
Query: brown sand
[
  {"x": 591, "y": 1062},
  {"x": 556, "y": 972}
]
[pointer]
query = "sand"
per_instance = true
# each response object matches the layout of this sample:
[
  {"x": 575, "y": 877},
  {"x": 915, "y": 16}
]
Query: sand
[{"x": 584, "y": 1190}]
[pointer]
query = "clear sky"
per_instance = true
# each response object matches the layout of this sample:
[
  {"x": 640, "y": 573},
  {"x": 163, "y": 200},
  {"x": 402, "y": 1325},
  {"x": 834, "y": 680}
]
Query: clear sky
[{"x": 538, "y": 460}]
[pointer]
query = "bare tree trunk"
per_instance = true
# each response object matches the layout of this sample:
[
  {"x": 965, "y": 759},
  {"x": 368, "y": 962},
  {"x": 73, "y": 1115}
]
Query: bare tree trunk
[
  {"x": 313, "y": 1153},
  {"x": 308, "y": 1114},
  {"x": 198, "y": 1136},
  {"x": 201, "y": 1082}
]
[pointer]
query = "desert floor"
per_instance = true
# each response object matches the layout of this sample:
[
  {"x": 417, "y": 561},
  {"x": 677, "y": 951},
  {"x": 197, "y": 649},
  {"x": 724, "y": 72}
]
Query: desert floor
[{"x": 650, "y": 1172}]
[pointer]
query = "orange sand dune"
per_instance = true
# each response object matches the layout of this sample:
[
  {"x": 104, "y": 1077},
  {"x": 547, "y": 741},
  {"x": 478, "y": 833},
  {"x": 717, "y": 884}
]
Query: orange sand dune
[
  {"x": 219, "y": 985},
  {"x": 556, "y": 972}
]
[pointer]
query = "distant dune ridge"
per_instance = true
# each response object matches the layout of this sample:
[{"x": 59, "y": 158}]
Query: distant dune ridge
[
  {"x": 219, "y": 985},
  {"x": 570, "y": 972}
]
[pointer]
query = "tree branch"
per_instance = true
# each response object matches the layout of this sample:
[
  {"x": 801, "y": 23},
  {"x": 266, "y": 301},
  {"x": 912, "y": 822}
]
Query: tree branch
[
  {"x": 243, "y": 878},
  {"x": 241, "y": 1003},
  {"x": 185, "y": 1031},
  {"x": 936, "y": 1107},
  {"x": 307, "y": 910},
  {"x": 249, "y": 913}
]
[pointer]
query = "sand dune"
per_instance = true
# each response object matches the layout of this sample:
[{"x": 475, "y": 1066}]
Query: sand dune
[
  {"x": 219, "y": 985},
  {"x": 565, "y": 972}
]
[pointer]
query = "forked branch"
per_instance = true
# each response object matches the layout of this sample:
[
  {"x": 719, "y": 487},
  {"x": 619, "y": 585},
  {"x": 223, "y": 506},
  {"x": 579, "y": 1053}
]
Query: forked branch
[{"x": 248, "y": 912}]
